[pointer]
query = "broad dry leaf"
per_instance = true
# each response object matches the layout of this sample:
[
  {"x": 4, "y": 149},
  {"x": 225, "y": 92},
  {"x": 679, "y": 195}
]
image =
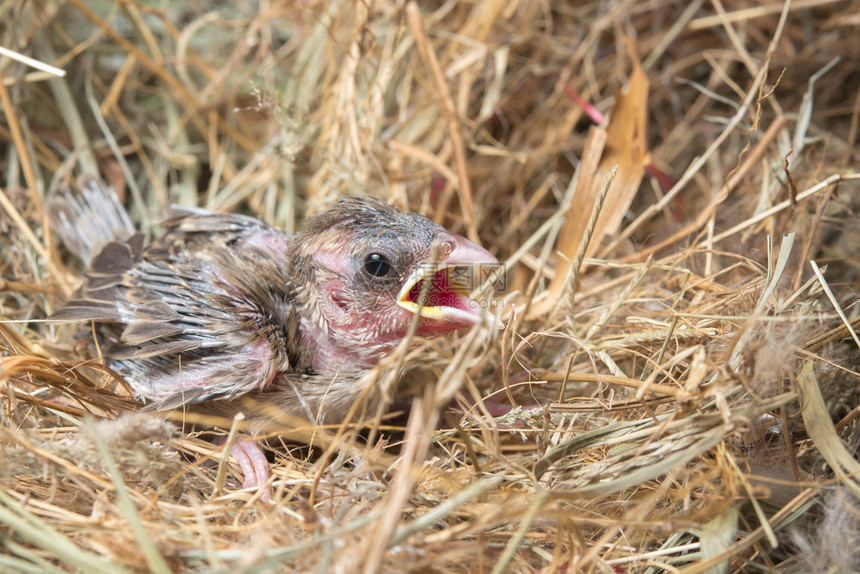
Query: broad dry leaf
[{"x": 625, "y": 147}]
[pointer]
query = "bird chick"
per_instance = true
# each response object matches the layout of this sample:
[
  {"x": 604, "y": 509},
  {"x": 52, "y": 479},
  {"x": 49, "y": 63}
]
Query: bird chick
[{"x": 222, "y": 306}]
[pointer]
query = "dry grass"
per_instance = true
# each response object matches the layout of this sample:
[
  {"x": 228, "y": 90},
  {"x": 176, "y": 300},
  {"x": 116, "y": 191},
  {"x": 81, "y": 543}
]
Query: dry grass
[{"x": 697, "y": 380}]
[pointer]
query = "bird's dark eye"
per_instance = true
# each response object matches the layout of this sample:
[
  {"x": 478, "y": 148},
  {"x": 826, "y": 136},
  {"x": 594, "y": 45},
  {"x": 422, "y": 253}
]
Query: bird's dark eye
[{"x": 377, "y": 265}]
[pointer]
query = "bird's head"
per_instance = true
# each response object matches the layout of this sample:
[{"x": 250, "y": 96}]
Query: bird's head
[{"x": 366, "y": 269}]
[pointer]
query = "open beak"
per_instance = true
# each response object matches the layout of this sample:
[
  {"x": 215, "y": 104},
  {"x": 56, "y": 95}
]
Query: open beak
[{"x": 440, "y": 291}]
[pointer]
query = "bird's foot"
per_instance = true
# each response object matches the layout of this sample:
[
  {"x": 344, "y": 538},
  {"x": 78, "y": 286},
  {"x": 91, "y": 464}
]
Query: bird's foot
[{"x": 255, "y": 467}]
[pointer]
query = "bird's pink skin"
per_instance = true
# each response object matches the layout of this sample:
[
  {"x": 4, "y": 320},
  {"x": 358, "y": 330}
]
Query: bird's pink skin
[{"x": 268, "y": 242}]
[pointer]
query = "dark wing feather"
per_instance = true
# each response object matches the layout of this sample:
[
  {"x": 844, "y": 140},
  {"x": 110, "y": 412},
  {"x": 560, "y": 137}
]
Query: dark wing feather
[
  {"x": 139, "y": 332},
  {"x": 86, "y": 222}
]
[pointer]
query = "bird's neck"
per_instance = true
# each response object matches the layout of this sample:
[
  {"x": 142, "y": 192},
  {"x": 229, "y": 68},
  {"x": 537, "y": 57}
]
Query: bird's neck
[{"x": 343, "y": 350}]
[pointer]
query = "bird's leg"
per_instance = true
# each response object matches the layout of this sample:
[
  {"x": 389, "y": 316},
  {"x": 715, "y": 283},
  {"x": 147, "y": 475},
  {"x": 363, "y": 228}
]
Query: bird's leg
[{"x": 255, "y": 467}]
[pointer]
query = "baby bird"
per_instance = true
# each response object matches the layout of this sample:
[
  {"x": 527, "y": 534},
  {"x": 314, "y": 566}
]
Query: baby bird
[{"x": 224, "y": 306}]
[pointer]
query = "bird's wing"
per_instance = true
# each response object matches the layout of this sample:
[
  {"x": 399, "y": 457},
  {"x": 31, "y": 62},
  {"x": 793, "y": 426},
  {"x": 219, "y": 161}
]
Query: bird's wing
[
  {"x": 196, "y": 232},
  {"x": 207, "y": 311}
]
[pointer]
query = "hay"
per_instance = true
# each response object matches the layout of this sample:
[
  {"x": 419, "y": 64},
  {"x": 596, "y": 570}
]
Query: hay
[{"x": 676, "y": 388}]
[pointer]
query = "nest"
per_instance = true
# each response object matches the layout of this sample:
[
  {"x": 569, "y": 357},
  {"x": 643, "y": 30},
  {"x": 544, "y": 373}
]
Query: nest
[{"x": 669, "y": 185}]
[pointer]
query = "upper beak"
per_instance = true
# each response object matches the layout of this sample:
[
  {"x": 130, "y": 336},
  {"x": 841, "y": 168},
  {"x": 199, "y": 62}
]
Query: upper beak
[{"x": 445, "y": 285}]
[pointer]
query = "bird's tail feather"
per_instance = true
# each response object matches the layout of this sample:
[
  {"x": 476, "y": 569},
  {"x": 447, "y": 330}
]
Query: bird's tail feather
[{"x": 88, "y": 221}]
